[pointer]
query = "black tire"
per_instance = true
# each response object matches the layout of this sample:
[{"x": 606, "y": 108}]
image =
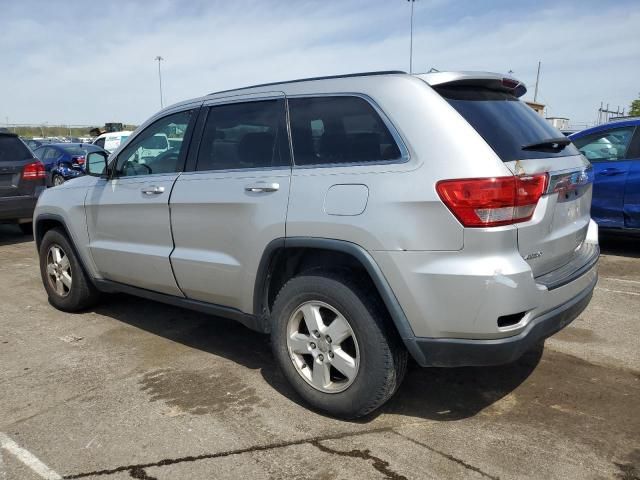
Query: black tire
[
  {"x": 26, "y": 228},
  {"x": 383, "y": 358},
  {"x": 82, "y": 293},
  {"x": 57, "y": 179}
]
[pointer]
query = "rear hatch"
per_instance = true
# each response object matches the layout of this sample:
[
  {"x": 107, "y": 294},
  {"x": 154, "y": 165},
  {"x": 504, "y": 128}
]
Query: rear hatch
[
  {"x": 529, "y": 146},
  {"x": 18, "y": 168}
]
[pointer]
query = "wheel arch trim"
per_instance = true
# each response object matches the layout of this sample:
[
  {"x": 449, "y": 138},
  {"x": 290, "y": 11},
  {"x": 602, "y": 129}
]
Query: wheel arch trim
[{"x": 360, "y": 254}]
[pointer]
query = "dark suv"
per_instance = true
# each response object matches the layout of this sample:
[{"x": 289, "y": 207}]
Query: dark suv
[{"x": 22, "y": 179}]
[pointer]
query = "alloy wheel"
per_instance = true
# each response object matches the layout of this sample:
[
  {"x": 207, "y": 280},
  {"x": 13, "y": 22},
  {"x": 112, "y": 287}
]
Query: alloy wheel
[
  {"x": 59, "y": 270},
  {"x": 323, "y": 347}
]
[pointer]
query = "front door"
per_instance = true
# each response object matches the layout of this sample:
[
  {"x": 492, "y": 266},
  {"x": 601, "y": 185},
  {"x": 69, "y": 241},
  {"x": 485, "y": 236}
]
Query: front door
[
  {"x": 227, "y": 211},
  {"x": 128, "y": 213}
]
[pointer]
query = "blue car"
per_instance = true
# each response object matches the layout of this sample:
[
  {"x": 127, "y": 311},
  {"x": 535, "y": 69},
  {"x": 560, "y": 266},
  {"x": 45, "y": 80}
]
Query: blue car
[
  {"x": 614, "y": 151},
  {"x": 64, "y": 161}
]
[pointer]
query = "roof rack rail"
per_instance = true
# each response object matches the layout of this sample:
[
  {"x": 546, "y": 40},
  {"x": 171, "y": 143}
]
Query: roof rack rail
[{"x": 363, "y": 74}]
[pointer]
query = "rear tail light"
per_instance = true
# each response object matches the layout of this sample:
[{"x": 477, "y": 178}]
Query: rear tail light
[
  {"x": 489, "y": 202},
  {"x": 78, "y": 160},
  {"x": 33, "y": 171}
]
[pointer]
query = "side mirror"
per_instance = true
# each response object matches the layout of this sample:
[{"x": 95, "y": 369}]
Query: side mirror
[{"x": 96, "y": 164}]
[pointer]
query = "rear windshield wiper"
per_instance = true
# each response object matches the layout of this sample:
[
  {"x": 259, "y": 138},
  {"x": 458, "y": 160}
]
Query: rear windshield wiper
[{"x": 550, "y": 144}]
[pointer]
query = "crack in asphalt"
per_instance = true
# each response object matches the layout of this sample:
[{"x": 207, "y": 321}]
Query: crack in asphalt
[
  {"x": 450, "y": 457},
  {"x": 139, "y": 469},
  {"x": 380, "y": 465}
]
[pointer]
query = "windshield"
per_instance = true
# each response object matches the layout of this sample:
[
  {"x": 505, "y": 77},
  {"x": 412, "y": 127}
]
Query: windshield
[
  {"x": 505, "y": 123},
  {"x": 12, "y": 149}
]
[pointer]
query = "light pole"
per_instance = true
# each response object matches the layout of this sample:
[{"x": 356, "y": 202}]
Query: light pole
[
  {"x": 159, "y": 59},
  {"x": 411, "y": 38}
]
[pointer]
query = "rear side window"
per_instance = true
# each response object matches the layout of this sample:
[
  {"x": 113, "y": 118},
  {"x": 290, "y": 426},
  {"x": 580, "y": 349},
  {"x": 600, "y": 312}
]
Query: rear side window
[
  {"x": 244, "y": 135},
  {"x": 336, "y": 130},
  {"x": 505, "y": 123},
  {"x": 609, "y": 145},
  {"x": 12, "y": 149}
]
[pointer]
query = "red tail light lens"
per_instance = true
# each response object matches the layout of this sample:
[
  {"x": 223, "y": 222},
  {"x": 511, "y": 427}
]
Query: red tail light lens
[
  {"x": 33, "y": 171},
  {"x": 489, "y": 202},
  {"x": 79, "y": 160}
]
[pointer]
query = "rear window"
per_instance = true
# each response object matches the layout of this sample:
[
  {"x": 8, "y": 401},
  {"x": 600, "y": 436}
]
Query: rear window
[
  {"x": 341, "y": 129},
  {"x": 12, "y": 149},
  {"x": 505, "y": 123},
  {"x": 80, "y": 150}
]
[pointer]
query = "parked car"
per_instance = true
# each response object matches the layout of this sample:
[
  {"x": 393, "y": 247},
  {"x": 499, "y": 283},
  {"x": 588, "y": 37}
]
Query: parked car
[
  {"x": 614, "y": 151},
  {"x": 64, "y": 161},
  {"x": 21, "y": 181},
  {"x": 112, "y": 140},
  {"x": 347, "y": 217}
]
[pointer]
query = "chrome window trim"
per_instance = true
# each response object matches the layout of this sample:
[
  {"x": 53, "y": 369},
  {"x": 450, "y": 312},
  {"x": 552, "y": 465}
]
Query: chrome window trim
[{"x": 404, "y": 151}]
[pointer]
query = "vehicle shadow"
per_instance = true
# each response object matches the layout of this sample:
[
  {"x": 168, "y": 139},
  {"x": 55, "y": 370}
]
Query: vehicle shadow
[
  {"x": 11, "y": 235},
  {"x": 619, "y": 244},
  {"x": 432, "y": 393}
]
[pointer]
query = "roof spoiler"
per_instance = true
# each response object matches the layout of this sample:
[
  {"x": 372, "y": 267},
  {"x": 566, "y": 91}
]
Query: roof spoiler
[{"x": 494, "y": 81}]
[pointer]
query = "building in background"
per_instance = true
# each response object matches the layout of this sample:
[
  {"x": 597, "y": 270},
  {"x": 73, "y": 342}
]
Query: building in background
[{"x": 537, "y": 107}]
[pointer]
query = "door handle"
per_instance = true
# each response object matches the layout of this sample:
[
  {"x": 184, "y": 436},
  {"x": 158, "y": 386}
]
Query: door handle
[
  {"x": 611, "y": 171},
  {"x": 262, "y": 187},
  {"x": 153, "y": 190}
]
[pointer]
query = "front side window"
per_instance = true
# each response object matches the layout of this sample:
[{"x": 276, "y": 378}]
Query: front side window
[
  {"x": 609, "y": 145},
  {"x": 99, "y": 142},
  {"x": 157, "y": 149},
  {"x": 340, "y": 129},
  {"x": 244, "y": 135}
]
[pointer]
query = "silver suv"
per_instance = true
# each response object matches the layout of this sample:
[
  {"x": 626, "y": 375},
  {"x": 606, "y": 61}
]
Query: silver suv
[{"x": 357, "y": 219}]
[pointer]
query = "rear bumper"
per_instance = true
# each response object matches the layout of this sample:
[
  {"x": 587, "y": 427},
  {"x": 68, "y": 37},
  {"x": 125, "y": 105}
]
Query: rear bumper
[
  {"x": 452, "y": 352},
  {"x": 17, "y": 208}
]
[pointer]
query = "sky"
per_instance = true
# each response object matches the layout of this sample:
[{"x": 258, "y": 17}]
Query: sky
[{"x": 87, "y": 63}]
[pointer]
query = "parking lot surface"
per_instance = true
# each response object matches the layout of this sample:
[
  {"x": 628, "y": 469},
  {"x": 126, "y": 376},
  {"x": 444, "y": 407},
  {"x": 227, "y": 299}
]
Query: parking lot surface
[{"x": 136, "y": 389}]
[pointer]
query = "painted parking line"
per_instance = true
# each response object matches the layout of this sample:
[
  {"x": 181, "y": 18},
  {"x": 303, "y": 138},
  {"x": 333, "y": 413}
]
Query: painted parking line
[
  {"x": 26, "y": 457},
  {"x": 618, "y": 291}
]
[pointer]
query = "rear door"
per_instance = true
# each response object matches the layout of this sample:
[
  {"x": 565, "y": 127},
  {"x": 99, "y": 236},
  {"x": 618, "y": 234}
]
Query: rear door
[
  {"x": 632, "y": 186},
  {"x": 128, "y": 213},
  {"x": 14, "y": 155},
  {"x": 234, "y": 203},
  {"x": 606, "y": 150},
  {"x": 529, "y": 145}
]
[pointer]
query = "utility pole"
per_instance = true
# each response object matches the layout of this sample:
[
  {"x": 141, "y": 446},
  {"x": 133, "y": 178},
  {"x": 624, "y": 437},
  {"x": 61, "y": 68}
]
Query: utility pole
[
  {"x": 411, "y": 38},
  {"x": 159, "y": 59},
  {"x": 535, "y": 95}
]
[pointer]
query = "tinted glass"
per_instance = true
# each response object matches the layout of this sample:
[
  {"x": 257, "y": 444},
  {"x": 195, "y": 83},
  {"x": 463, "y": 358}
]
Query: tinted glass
[
  {"x": 609, "y": 145},
  {"x": 505, "y": 123},
  {"x": 330, "y": 130},
  {"x": 244, "y": 135},
  {"x": 39, "y": 153},
  {"x": 12, "y": 149},
  {"x": 146, "y": 155},
  {"x": 100, "y": 142}
]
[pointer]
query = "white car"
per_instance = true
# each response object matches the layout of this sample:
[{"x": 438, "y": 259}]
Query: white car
[{"x": 111, "y": 141}]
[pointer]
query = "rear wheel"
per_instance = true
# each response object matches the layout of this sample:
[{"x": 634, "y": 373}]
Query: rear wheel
[
  {"x": 335, "y": 345},
  {"x": 57, "y": 179},
  {"x": 67, "y": 285}
]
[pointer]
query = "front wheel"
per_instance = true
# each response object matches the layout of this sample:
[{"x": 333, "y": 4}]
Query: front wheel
[
  {"x": 67, "y": 285},
  {"x": 335, "y": 345}
]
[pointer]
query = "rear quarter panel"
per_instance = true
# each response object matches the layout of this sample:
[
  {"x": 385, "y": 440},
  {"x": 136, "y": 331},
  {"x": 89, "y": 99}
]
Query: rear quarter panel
[{"x": 403, "y": 210}]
